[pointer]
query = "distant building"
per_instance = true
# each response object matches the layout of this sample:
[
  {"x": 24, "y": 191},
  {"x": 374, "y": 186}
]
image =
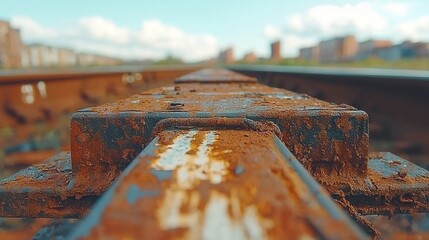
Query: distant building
[
  {"x": 338, "y": 49},
  {"x": 67, "y": 57},
  {"x": 309, "y": 53},
  {"x": 105, "y": 61},
  {"x": 15, "y": 54},
  {"x": 15, "y": 45},
  {"x": 40, "y": 56},
  {"x": 37, "y": 55},
  {"x": 421, "y": 50},
  {"x": 404, "y": 50},
  {"x": 10, "y": 46},
  {"x": 227, "y": 56},
  {"x": 250, "y": 57},
  {"x": 368, "y": 48},
  {"x": 25, "y": 56},
  {"x": 275, "y": 51},
  {"x": 85, "y": 59},
  {"x": 4, "y": 29},
  {"x": 346, "y": 48}
]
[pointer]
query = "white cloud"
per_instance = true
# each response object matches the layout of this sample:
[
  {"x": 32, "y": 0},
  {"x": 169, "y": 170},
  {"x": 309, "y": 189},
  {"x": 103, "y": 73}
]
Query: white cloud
[
  {"x": 96, "y": 34},
  {"x": 272, "y": 32},
  {"x": 330, "y": 20},
  {"x": 364, "y": 20},
  {"x": 293, "y": 42},
  {"x": 396, "y": 8},
  {"x": 31, "y": 29},
  {"x": 97, "y": 27},
  {"x": 165, "y": 37},
  {"x": 417, "y": 29}
]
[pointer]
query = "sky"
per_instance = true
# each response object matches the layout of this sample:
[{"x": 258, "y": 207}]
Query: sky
[{"x": 195, "y": 30}]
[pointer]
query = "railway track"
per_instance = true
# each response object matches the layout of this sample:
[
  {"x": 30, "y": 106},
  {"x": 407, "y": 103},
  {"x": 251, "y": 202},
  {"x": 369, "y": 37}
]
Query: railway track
[
  {"x": 397, "y": 101},
  {"x": 35, "y": 105},
  {"x": 218, "y": 156},
  {"x": 40, "y": 95}
]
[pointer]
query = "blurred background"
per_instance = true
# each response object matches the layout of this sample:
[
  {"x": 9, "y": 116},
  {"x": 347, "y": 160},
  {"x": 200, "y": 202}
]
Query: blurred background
[
  {"x": 57, "y": 57},
  {"x": 378, "y": 33}
]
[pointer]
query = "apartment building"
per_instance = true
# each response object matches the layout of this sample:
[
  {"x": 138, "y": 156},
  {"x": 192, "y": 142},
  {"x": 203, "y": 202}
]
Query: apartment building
[
  {"x": 10, "y": 46},
  {"x": 276, "y": 51},
  {"x": 67, "y": 57},
  {"x": 309, "y": 53},
  {"x": 226, "y": 56},
  {"x": 250, "y": 57},
  {"x": 404, "y": 50},
  {"x": 15, "y": 54},
  {"x": 338, "y": 49},
  {"x": 368, "y": 48}
]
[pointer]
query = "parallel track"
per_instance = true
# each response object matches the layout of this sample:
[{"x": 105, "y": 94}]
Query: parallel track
[{"x": 396, "y": 100}]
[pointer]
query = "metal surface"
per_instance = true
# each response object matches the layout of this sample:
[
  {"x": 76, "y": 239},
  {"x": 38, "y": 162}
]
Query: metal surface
[
  {"x": 393, "y": 186},
  {"x": 34, "y": 75},
  {"x": 396, "y": 100},
  {"x": 363, "y": 73},
  {"x": 40, "y": 95},
  {"x": 218, "y": 154},
  {"x": 327, "y": 137},
  {"x": 212, "y": 184},
  {"x": 43, "y": 190}
]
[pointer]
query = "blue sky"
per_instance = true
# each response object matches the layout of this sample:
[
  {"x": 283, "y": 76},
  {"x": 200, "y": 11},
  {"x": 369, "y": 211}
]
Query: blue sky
[{"x": 195, "y": 30}]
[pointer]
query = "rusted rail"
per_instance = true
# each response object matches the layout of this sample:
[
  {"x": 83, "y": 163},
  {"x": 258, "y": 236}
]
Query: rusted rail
[
  {"x": 213, "y": 184},
  {"x": 218, "y": 151},
  {"x": 41, "y": 95},
  {"x": 35, "y": 105},
  {"x": 396, "y": 100}
]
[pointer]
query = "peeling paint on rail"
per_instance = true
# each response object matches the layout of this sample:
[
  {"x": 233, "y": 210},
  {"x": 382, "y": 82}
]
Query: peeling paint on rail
[
  {"x": 214, "y": 184},
  {"x": 191, "y": 168},
  {"x": 214, "y": 221}
]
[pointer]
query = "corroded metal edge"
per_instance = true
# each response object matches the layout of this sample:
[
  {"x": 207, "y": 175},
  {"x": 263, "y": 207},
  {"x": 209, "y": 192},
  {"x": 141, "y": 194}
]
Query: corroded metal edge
[
  {"x": 172, "y": 182},
  {"x": 43, "y": 190},
  {"x": 393, "y": 186}
]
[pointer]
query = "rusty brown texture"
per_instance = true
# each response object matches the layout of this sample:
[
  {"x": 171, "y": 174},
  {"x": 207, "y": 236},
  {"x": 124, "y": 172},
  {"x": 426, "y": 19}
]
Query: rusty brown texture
[
  {"x": 202, "y": 184},
  {"x": 23, "y": 231},
  {"x": 329, "y": 140},
  {"x": 391, "y": 186},
  {"x": 71, "y": 89},
  {"x": 326, "y": 137},
  {"x": 395, "y": 101},
  {"x": 43, "y": 190}
]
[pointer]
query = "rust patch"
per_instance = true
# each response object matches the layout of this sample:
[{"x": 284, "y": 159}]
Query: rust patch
[{"x": 202, "y": 197}]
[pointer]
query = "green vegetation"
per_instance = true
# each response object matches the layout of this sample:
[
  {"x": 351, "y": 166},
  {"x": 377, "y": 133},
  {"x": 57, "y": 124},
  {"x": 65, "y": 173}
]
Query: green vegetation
[
  {"x": 416, "y": 64},
  {"x": 169, "y": 60}
]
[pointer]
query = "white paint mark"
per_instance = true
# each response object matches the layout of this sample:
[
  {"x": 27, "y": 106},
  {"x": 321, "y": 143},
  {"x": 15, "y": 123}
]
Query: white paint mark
[
  {"x": 214, "y": 221},
  {"x": 176, "y": 154},
  {"x": 170, "y": 211},
  {"x": 138, "y": 76},
  {"x": 218, "y": 224},
  {"x": 192, "y": 168},
  {"x": 202, "y": 166},
  {"x": 222, "y": 216},
  {"x": 252, "y": 224},
  {"x": 128, "y": 78},
  {"x": 27, "y": 93},
  {"x": 42, "y": 89}
]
